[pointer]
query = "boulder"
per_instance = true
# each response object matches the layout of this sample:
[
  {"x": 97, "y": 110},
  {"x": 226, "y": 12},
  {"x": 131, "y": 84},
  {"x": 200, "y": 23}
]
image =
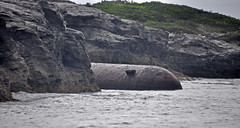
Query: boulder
[{"x": 134, "y": 77}]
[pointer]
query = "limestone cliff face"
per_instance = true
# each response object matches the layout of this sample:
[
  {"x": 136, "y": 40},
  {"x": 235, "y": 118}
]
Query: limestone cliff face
[
  {"x": 110, "y": 39},
  {"x": 42, "y": 47},
  {"x": 198, "y": 56},
  {"x": 38, "y": 53}
]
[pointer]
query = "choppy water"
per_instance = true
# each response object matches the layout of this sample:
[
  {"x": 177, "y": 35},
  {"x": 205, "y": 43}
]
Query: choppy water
[{"x": 202, "y": 103}]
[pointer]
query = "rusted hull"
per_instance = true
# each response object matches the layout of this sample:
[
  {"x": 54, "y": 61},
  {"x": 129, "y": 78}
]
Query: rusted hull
[{"x": 134, "y": 77}]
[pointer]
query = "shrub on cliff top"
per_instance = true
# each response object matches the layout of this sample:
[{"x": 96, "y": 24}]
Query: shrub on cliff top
[{"x": 173, "y": 18}]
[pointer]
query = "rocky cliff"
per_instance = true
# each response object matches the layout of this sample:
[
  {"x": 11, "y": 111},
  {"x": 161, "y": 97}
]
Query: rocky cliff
[
  {"x": 110, "y": 39},
  {"x": 43, "y": 47},
  {"x": 38, "y": 53}
]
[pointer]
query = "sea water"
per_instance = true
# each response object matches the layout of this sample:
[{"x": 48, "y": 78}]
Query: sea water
[{"x": 205, "y": 103}]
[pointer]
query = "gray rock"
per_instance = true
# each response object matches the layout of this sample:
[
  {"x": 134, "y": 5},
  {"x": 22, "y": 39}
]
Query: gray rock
[
  {"x": 110, "y": 39},
  {"x": 42, "y": 47},
  {"x": 38, "y": 53},
  {"x": 5, "y": 94},
  {"x": 196, "y": 55}
]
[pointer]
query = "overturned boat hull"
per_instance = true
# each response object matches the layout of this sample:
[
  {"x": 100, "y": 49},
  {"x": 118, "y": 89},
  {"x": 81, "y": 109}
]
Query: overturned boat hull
[{"x": 134, "y": 77}]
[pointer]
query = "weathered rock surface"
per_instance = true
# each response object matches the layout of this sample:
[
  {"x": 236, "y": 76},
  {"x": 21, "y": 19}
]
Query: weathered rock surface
[
  {"x": 110, "y": 39},
  {"x": 134, "y": 77},
  {"x": 198, "y": 56},
  {"x": 38, "y": 53},
  {"x": 5, "y": 94},
  {"x": 42, "y": 47}
]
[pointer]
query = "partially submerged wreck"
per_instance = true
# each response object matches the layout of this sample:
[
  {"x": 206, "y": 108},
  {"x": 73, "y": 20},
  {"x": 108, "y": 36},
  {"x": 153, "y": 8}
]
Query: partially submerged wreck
[{"x": 134, "y": 77}]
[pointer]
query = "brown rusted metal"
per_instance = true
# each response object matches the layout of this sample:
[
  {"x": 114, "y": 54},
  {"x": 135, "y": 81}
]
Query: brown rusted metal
[{"x": 134, "y": 77}]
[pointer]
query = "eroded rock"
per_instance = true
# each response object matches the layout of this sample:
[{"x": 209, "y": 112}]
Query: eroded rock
[
  {"x": 110, "y": 39},
  {"x": 39, "y": 53}
]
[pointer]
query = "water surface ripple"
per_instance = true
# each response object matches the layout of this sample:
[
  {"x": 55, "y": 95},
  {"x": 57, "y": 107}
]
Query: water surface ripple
[{"x": 201, "y": 103}]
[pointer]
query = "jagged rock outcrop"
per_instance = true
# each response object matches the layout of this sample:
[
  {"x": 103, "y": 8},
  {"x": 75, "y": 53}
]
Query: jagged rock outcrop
[
  {"x": 110, "y": 39},
  {"x": 42, "y": 47},
  {"x": 195, "y": 55},
  {"x": 38, "y": 53}
]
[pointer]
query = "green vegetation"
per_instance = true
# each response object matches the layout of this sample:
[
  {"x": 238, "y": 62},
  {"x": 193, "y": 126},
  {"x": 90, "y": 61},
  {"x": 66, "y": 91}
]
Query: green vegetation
[{"x": 173, "y": 18}]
